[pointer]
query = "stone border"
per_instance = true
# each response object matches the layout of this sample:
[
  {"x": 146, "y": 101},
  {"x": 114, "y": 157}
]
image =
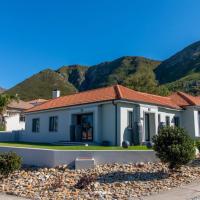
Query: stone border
[{"x": 52, "y": 158}]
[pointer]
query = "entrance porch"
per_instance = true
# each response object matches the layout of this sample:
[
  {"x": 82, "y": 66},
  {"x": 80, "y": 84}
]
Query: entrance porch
[{"x": 82, "y": 128}]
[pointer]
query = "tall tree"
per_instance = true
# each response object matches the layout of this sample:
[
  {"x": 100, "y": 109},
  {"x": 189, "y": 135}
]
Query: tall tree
[
  {"x": 144, "y": 81},
  {"x": 5, "y": 99}
]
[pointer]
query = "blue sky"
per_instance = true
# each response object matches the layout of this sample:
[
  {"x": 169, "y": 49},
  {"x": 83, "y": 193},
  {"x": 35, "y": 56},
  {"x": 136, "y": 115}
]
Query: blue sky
[{"x": 39, "y": 34}]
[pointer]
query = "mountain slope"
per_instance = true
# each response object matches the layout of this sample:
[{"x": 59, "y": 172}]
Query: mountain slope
[
  {"x": 184, "y": 63},
  {"x": 182, "y": 71},
  {"x": 114, "y": 72},
  {"x": 41, "y": 85},
  {"x": 1, "y": 90},
  {"x": 74, "y": 78},
  {"x": 189, "y": 84},
  {"x": 74, "y": 74},
  {"x": 179, "y": 72}
]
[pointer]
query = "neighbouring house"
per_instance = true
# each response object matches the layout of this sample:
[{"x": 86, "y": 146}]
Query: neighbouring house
[
  {"x": 13, "y": 117},
  {"x": 110, "y": 115},
  {"x": 36, "y": 102}
]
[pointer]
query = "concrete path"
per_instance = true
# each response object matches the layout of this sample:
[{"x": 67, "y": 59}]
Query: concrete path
[
  {"x": 10, "y": 197},
  {"x": 187, "y": 192}
]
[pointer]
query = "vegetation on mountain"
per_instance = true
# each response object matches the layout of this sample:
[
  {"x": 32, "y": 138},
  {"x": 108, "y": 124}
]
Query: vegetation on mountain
[
  {"x": 41, "y": 85},
  {"x": 180, "y": 72},
  {"x": 144, "y": 80},
  {"x": 70, "y": 79}
]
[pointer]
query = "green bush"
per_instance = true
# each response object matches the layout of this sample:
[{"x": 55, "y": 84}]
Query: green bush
[
  {"x": 2, "y": 127},
  {"x": 197, "y": 144},
  {"x": 174, "y": 146},
  {"x": 9, "y": 162}
]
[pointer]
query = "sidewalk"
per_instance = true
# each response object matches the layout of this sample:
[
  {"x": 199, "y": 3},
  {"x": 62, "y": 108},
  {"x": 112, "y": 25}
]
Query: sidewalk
[
  {"x": 10, "y": 197},
  {"x": 186, "y": 192}
]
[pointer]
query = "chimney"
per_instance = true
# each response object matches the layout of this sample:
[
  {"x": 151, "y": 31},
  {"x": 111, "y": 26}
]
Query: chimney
[{"x": 55, "y": 94}]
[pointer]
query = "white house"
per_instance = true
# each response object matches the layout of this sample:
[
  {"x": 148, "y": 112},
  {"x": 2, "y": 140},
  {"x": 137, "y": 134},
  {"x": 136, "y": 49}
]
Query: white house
[
  {"x": 110, "y": 114},
  {"x": 13, "y": 117}
]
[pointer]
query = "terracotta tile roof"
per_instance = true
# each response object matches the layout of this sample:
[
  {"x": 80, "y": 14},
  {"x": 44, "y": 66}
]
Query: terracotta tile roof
[
  {"x": 91, "y": 96},
  {"x": 116, "y": 92},
  {"x": 37, "y": 101},
  {"x": 20, "y": 105},
  {"x": 182, "y": 99},
  {"x": 147, "y": 98}
]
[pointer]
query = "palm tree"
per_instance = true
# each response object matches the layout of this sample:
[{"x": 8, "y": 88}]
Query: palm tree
[{"x": 5, "y": 99}]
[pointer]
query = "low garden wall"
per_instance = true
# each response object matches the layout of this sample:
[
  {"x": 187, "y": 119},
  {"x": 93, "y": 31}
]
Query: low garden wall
[
  {"x": 7, "y": 136},
  {"x": 52, "y": 158}
]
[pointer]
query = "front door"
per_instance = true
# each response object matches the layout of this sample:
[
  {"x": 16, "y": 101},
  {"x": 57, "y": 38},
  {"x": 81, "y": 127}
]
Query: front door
[
  {"x": 86, "y": 123},
  {"x": 147, "y": 127}
]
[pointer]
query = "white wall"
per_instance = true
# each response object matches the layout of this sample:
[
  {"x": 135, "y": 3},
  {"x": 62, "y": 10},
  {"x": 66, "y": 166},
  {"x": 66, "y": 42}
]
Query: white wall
[
  {"x": 13, "y": 122},
  {"x": 53, "y": 158},
  {"x": 104, "y": 121},
  {"x": 139, "y": 111},
  {"x": 108, "y": 123},
  {"x": 125, "y": 133},
  {"x": 191, "y": 122},
  {"x": 101, "y": 131}
]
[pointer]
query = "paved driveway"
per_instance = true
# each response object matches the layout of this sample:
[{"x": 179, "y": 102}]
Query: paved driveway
[
  {"x": 10, "y": 197},
  {"x": 187, "y": 192}
]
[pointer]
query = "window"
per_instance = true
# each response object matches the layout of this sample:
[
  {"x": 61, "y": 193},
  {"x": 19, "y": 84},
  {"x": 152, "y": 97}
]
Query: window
[
  {"x": 53, "y": 124},
  {"x": 130, "y": 119},
  {"x": 22, "y": 118},
  {"x": 36, "y": 125},
  {"x": 176, "y": 121},
  {"x": 167, "y": 120}
]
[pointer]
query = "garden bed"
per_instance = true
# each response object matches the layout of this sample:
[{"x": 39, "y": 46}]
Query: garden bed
[{"x": 114, "y": 181}]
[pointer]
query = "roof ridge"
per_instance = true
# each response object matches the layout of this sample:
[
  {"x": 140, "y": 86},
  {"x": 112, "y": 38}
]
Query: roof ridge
[
  {"x": 144, "y": 93},
  {"x": 118, "y": 91},
  {"x": 185, "y": 97}
]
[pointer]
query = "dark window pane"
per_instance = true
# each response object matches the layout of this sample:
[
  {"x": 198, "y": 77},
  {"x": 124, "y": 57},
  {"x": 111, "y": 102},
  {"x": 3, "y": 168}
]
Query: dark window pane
[
  {"x": 130, "y": 119},
  {"x": 176, "y": 121},
  {"x": 36, "y": 125},
  {"x": 167, "y": 121},
  {"x": 53, "y": 124}
]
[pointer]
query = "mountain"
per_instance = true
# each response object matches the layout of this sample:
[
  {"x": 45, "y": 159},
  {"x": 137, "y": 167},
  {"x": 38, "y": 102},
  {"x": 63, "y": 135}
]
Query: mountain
[
  {"x": 179, "y": 72},
  {"x": 70, "y": 79},
  {"x": 1, "y": 90},
  {"x": 41, "y": 85},
  {"x": 182, "y": 71},
  {"x": 115, "y": 72}
]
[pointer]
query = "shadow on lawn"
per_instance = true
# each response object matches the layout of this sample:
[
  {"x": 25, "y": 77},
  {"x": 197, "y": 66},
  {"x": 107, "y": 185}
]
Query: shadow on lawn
[{"x": 121, "y": 176}]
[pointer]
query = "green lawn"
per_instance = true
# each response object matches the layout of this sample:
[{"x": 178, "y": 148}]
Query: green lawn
[{"x": 50, "y": 146}]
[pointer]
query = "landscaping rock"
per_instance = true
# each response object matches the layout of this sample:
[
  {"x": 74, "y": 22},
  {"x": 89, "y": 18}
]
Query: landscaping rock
[{"x": 111, "y": 181}]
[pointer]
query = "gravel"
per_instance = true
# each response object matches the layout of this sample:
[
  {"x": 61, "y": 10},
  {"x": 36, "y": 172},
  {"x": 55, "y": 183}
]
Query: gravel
[{"x": 113, "y": 181}]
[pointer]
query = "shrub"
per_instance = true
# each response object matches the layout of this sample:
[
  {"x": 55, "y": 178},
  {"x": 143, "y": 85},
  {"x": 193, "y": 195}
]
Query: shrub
[
  {"x": 197, "y": 144},
  {"x": 174, "y": 146},
  {"x": 2, "y": 127},
  {"x": 9, "y": 162},
  {"x": 85, "y": 181}
]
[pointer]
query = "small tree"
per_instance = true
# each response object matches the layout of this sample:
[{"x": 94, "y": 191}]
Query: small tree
[
  {"x": 5, "y": 99},
  {"x": 174, "y": 146}
]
